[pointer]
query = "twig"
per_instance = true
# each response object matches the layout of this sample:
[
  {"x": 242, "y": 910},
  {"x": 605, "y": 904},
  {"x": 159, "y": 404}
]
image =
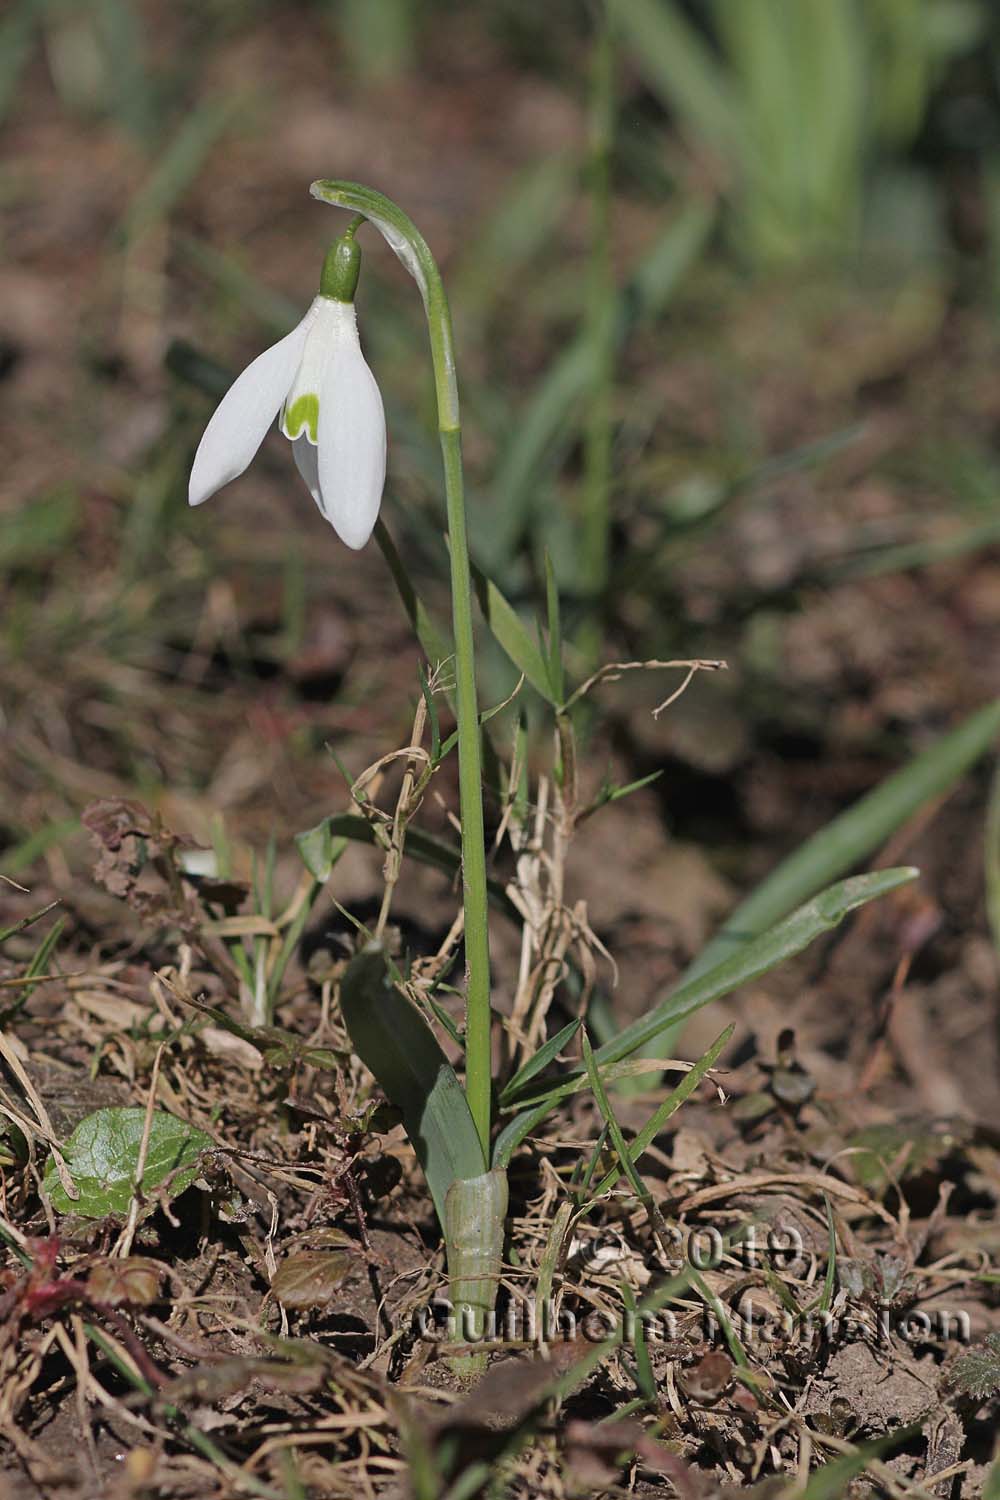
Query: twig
[
  {"x": 611, "y": 671},
  {"x": 124, "y": 1245},
  {"x": 404, "y": 812}
]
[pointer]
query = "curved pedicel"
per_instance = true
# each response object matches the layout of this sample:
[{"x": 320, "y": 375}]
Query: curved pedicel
[{"x": 405, "y": 240}]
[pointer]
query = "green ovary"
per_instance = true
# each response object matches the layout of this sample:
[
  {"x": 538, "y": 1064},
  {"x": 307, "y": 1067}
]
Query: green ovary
[{"x": 303, "y": 412}]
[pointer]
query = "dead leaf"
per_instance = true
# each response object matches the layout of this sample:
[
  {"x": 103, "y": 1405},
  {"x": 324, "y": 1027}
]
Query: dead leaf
[
  {"x": 310, "y": 1278},
  {"x": 133, "y": 1282}
]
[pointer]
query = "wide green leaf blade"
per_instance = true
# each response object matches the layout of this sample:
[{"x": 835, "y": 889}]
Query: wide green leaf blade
[
  {"x": 319, "y": 850},
  {"x": 102, "y": 1156},
  {"x": 823, "y": 912},
  {"x": 395, "y": 1042}
]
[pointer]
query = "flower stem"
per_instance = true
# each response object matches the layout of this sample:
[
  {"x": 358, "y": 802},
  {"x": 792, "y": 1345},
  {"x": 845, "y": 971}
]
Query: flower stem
[
  {"x": 478, "y": 1061},
  {"x": 409, "y": 244}
]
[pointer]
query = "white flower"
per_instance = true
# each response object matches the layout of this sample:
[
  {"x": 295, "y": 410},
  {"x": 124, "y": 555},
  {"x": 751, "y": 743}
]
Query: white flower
[{"x": 331, "y": 411}]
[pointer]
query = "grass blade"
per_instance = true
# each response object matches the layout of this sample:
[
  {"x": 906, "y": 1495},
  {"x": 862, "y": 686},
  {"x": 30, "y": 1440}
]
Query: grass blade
[
  {"x": 513, "y": 635},
  {"x": 541, "y": 1059},
  {"x": 670, "y": 1106},
  {"x": 644, "y": 1377},
  {"x": 24, "y": 922},
  {"x": 435, "y": 642},
  {"x": 712, "y": 1301},
  {"x": 681, "y": 69},
  {"x": 854, "y": 835},
  {"x": 16, "y": 38},
  {"x": 626, "y": 1163},
  {"x": 535, "y": 449},
  {"x": 755, "y": 958},
  {"x": 180, "y": 163},
  {"x": 830, "y": 1279},
  {"x": 832, "y": 1480},
  {"x": 519, "y": 226}
]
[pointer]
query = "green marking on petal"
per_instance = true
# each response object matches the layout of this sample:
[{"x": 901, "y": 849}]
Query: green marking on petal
[{"x": 303, "y": 412}]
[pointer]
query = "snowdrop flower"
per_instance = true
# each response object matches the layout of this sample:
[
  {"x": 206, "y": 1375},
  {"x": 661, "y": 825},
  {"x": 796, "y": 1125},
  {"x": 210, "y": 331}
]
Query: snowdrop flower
[{"x": 330, "y": 406}]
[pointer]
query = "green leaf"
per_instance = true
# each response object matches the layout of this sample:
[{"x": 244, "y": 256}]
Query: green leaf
[
  {"x": 669, "y": 1107},
  {"x": 435, "y": 643},
  {"x": 41, "y": 531},
  {"x": 714, "y": 1301},
  {"x": 535, "y": 448},
  {"x": 102, "y": 1156},
  {"x": 421, "y": 846},
  {"x": 521, "y": 219},
  {"x": 610, "y": 792},
  {"x": 39, "y": 964},
  {"x": 17, "y": 31},
  {"x": 830, "y": 1279},
  {"x": 682, "y": 69},
  {"x": 851, "y": 837},
  {"x": 319, "y": 850},
  {"x": 541, "y": 1059},
  {"x": 181, "y": 162},
  {"x": 764, "y": 953},
  {"x": 626, "y": 1162},
  {"x": 513, "y": 635},
  {"x": 823, "y": 912},
  {"x": 24, "y": 922},
  {"x": 394, "y": 1041},
  {"x": 555, "y": 661},
  {"x": 644, "y": 1377},
  {"x": 855, "y": 834},
  {"x": 831, "y": 1482}
]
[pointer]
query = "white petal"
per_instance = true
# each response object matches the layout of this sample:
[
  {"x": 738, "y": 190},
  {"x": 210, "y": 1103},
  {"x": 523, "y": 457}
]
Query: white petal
[
  {"x": 327, "y": 328},
  {"x": 240, "y": 421},
  {"x": 351, "y": 440},
  {"x": 307, "y": 462}
]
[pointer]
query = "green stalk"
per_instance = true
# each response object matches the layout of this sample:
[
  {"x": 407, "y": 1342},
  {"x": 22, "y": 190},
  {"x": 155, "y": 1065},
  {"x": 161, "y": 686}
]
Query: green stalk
[
  {"x": 409, "y": 244},
  {"x": 478, "y": 1059}
]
